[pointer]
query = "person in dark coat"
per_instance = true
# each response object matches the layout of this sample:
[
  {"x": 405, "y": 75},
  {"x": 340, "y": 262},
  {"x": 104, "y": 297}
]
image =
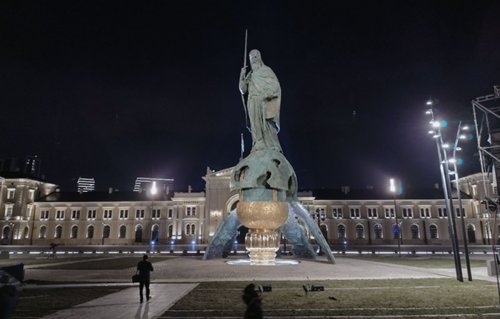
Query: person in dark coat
[
  {"x": 253, "y": 302},
  {"x": 144, "y": 268}
]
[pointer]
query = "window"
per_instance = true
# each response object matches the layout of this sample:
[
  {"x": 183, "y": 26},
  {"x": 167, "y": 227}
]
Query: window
[
  {"x": 190, "y": 211},
  {"x": 139, "y": 214},
  {"x": 378, "y": 231},
  {"x": 457, "y": 210},
  {"x": 415, "y": 233},
  {"x": 170, "y": 231},
  {"x": 155, "y": 233},
  {"x": 407, "y": 212},
  {"x": 321, "y": 212},
  {"x": 105, "y": 232},
  {"x": 74, "y": 232},
  {"x": 43, "y": 232},
  {"x": 337, "y": 213},
  {"x": 442, "y": 213},
  {"x": 471, "y": 233},
  {"x": 433, "y": 230},
  {"x": 123, "y": 213},
  {"x": 26, "y": 232},
  {"x": 75, "y": 214},
  {"x": 360, "y": 232},
  {"x": 389, "y": 213},
  {"x": 6, "y": 232},
  {"x": 170, "y": 212},
  {"x": 108, "y": 214},
  {"x": 11, "y": 193},
  {"x": 156, "y": 213},
  {"x": 58, "y": 233},
  {"x": 90, "y": 232},
  {"x": 91, "y": 214},
  {"x": 9, "y": 208},
  {"x": 425, "y": 213},
  {"x": 193, "y": 228},
  {"x": 341, "y": 231},
  {"x": 123, "y": 231},
  {"x": 44, "y": 215},
  {"x": 372, "y": 212},
  {"x": 60, "y": 215},
  {"x": 188, "y": 229},
  {"x": 355, "y": 214}
]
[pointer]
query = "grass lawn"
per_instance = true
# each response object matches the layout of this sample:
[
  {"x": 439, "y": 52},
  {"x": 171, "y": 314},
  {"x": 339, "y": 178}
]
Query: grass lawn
[
  {"x": 36, "y": 303},
  {"x": 422, "y": 261},
  {"x": 411, "y": 297}
]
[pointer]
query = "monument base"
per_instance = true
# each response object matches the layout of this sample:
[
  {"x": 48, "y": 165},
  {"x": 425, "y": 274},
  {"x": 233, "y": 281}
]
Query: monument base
[{"x": 277, "y": 262}]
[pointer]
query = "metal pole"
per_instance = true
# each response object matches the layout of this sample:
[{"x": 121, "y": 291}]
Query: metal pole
[
  {"x": 460, "y": 209},
  {"x": 399, "y": 227},
  {"x": 449, "y": 206}
]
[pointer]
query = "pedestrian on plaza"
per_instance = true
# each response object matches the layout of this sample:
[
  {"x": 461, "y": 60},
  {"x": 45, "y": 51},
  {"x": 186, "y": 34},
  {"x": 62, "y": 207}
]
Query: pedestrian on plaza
[
  {"x": 253, "y": 302},
  {"x": 144, "y": 267}
]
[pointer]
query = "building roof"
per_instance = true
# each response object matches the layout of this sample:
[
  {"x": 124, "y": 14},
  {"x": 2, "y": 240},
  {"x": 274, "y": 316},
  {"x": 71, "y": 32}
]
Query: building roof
[
  {"x": 102, "y": 197},
  {"x": 380, "y": 194}
]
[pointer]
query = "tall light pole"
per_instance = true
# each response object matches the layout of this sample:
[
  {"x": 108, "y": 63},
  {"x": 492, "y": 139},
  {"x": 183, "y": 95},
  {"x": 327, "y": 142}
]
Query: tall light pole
[
  {"x": 454, "y": 160},
  {"x": 153, "y": 191},
  {"x": 445, "y": 178},
  {"x": 393, "y": 190}
]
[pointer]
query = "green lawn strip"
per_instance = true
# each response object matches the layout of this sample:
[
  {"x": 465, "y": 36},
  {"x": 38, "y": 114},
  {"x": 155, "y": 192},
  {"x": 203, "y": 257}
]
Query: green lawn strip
[
  {"x": 36, "y": 303},
  {"x": 423, "y": 262},
  {"x": 354, "y": 297},
  {"x": 104, "y": 263}
]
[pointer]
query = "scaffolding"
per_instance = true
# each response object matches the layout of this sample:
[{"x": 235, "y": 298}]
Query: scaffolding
[{"x": 486, "y": 110}]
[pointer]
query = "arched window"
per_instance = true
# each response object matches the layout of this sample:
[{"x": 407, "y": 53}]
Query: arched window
[
  {"x": 138, "y": 233},
  {"x": 471, "y": 233},
  {"x": 360, "y": 232},
  {"x": 155, "y": 233},
  {"x": 26, "y": 232},
  {"x": 378, "y": 231},
  {"x": 433, "y": 230},
  {"x": 193, "y": 228},
  {"x": 415, "y": 233},
  {"x": 6, "y": 232},
  {"x": 105, "y": 231},
  {"x": 123, "y": 231},
  {"x": 43, "y": 232},
  {"x": 341, "y": 231},
  {"x": 170, "y": 231},
  {"x": 74, "y": 232},
  {"x": 90, "y": 232},
  {"x": 188, "y": 229},
  {"x": 58, "y": 233}
]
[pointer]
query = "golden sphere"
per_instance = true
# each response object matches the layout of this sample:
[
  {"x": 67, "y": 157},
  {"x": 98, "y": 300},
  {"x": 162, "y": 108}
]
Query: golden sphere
[{"x": 262, "y": 214}]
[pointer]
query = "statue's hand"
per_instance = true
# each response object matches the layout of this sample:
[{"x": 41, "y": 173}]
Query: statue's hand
[{"x": 243, "y": 81}]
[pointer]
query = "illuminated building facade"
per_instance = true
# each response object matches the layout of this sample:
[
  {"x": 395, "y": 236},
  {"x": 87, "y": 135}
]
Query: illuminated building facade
[{"x": 35, "y": 212}]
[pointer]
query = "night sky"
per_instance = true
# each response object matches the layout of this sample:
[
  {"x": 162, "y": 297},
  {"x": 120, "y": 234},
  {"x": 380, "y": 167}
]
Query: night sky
[{"x": 120, "y": 89}]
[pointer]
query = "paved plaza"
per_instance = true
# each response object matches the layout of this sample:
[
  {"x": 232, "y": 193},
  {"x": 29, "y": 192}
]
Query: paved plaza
[{"x": 173, "y": 278}]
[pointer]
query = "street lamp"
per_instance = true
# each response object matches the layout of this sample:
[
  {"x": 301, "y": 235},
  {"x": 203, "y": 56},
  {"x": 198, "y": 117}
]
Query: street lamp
[
  {"x": 396, "y": 230},
  {"x": 460, "y": 209},
  {"x": 445, "y": 178}
]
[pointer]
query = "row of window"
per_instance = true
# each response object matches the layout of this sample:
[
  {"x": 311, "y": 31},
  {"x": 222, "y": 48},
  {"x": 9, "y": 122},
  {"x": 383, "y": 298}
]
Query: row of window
[
  {"x": 378, "y": 231},
  {"x": 372, "y": 213},
  {"x": 189, "y": 229},
  {"x": 108, "y": 214}
]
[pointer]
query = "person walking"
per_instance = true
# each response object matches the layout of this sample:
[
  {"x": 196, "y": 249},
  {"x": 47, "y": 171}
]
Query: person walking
[{"x": 144, "y": 267}]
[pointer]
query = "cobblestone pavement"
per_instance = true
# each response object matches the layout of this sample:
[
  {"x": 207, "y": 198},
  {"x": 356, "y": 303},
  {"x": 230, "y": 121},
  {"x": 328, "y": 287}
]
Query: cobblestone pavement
[{"x": 193, "y": 269}]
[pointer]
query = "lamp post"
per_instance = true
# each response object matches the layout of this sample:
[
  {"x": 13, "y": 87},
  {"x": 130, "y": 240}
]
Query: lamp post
[
  {"x": 393, "y": 190},
  {"x": 445, "y": 178},
  {"x": 153, "y": 191},
  {"x": 454, "y": 161}
]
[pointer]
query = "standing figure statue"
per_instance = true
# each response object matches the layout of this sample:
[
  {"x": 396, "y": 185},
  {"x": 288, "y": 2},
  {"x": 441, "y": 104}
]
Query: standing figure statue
[{"x": 263, "y": 103}]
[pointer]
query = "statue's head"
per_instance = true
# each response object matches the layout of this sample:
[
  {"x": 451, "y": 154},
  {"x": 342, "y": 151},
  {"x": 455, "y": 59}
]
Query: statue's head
[{"x": 255, "y": 58}]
